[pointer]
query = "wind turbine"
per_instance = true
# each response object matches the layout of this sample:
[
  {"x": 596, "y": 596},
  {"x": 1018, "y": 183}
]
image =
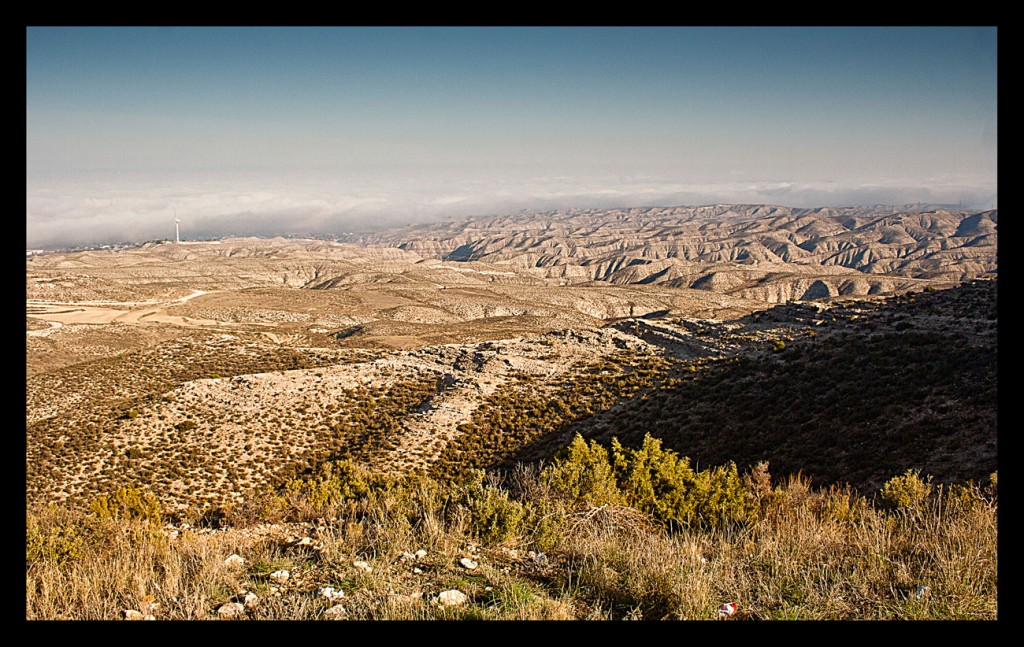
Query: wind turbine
[{"x": 177, "y": 238}]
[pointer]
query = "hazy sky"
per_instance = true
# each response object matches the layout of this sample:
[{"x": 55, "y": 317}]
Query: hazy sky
[{"x": 304, "y": 130}]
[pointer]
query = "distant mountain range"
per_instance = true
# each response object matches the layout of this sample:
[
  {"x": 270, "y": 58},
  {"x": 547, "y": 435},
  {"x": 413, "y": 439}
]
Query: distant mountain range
[{"x": 766, "y": 252}]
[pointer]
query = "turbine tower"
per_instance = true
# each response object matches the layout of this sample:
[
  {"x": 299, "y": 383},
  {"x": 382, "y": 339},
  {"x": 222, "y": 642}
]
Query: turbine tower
[{"x": 177, "y": 238}]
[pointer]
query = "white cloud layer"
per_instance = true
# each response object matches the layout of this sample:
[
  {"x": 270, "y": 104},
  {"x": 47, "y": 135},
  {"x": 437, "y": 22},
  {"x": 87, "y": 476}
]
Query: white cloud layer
[{"x": 102, "y": 210}]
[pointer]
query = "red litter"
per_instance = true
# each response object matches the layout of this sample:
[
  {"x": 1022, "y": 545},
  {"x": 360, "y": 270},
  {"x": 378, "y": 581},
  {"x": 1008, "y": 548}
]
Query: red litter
[{"x": 726, "y": 610}]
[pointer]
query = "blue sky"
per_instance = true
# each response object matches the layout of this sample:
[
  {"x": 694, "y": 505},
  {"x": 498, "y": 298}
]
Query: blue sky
[{"x": 287, "y": 130}]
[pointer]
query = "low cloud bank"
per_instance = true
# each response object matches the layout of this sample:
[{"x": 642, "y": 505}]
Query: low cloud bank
[{"x": 62, "y": 212}]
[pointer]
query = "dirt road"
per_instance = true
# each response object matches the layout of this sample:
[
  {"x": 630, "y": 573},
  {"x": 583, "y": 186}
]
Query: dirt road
[{"x": 57, "y": 314}]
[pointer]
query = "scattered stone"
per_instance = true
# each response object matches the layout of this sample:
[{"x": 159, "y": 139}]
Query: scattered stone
[
  {"x": 452, "y": 598},
  {"x": 488, "y": 588},
  {"x": 173, "y": 535},
  {"x": 336, "y": 612},
  {"x": 132, "y": 614},
  {"x": 305, "y": 541},
  {"x": 281, "y": 575},
  {"x": 331, "y": 593},
  {"x": 420, "y": 554},
  {"x": 407, "y": 557},
  {"x": 363, "y": 566},
  {"x": 250, "y": 600},
  {"x": 230, "y": 610},
  {"x": 234, "y": 559},
  {"x": 417, "y": 570},
  {"x": 468, "y": 564}
]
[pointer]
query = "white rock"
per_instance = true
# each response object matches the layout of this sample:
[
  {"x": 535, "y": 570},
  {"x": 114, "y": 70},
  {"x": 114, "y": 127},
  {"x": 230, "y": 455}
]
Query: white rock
[
  {"x": 305, "y": 541},
  {"x": 132, "y": 614},
  {"x": 149, "y": 617},
  {"x": 363, "y": 566},
  {"x": 331, "y": 593},
  {"x": 468, "y": 564},
  {"x": 452, "y": 598},
  {"x": 281, "y": 575},
  {"x": 407, "y": 557},
  {"x": 420, "y": 554},
  {"x": 230, "y": 610},
  {"x": 234, "y": 559},
  {"x": 250, "y": 600},
  {"x": 335, "y": 612},
  {"x": 417, "y": 570}
]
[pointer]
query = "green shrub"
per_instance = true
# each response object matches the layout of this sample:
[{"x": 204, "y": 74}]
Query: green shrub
[
  {"x": 546, "y": 521},
  {"x": 906, "y": 492},
  {"x": 718, "y": 496},
  {"x": 655, "y": 480},
  {"x": 583, "y": 474},
  {"x": 650, "y": 478},
  {"x": 54, "y": 536},
  {"x": 127, "y": 503},
  {"x": 332, "y": 483},
  {"x": 494, "y": 517}
]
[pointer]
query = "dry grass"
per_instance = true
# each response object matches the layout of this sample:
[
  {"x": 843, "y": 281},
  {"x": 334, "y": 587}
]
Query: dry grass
[{"x": 807, "y": 554}]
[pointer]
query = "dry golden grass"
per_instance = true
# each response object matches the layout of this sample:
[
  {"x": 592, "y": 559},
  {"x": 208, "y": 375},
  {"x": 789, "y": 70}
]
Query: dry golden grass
[{"x": 805, "y": 554}]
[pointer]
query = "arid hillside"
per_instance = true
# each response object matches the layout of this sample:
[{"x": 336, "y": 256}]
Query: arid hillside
[
  {"x": 209, "y": 398},
  {"x": 765, "y": 252},
  {"x": 300, "y": 429},
  {"x": 313, "y": 293}
]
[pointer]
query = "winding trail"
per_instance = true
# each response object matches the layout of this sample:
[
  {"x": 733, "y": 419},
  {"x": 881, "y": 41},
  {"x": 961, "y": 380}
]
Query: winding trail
[{"x": 45, "y": 332}]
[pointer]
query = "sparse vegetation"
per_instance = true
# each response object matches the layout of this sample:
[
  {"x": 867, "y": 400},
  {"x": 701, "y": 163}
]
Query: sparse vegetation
[
  {"x": 797, "y": 552},
  {"x": 604, "y": 473}
]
